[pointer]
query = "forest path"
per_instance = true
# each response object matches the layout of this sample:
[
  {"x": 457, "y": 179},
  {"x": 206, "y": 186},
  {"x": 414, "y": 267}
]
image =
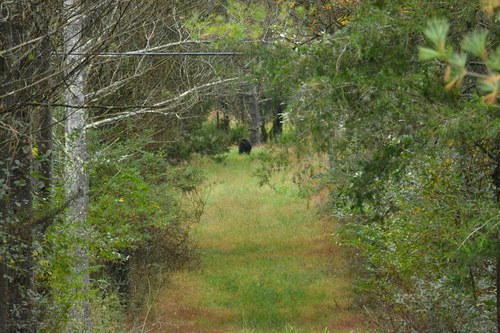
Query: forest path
[{"x": 267, "y": 263}]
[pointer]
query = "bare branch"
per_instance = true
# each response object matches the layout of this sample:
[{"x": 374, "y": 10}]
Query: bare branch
[
  {"x": 32, "y": 41},
  {"x": 160, "y": 107}
]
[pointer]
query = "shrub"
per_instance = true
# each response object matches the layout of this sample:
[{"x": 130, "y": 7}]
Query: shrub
[{"x": 140, "y": 226}]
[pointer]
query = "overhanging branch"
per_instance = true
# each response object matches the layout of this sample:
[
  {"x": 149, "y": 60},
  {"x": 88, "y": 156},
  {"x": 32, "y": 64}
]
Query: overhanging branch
[
  {"x": 152, "y": 54},
  {"x": 158, "y": 108}
]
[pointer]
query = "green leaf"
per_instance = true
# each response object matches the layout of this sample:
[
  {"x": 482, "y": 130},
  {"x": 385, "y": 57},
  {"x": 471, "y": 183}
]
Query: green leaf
[
  {"x": 436, "y": 31},
  {"x": 300, "y": 11},
  {"x": 38, "y": 175},
  {"x": 475, "y": 43},
  {"x": 493, "y": 60},
  {"x": 458, "y": 59},
  {"x": 488, "y": 85},
  {"x": 425, "y": 54}
]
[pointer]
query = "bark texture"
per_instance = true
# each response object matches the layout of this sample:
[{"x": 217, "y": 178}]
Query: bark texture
[
  {"x": 255, "y": 118},
  {"x": 76, "y": 177}
]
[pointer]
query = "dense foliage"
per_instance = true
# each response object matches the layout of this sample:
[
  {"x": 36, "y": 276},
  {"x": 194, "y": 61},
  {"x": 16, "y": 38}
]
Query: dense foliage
[
  {"x": 58, "y": 272},
  {"x": 414, "y": 163},
  {"x": 138, "y": 231},
  {"x": 402, "y": 106},
  {"x": 413, "y": 168}
]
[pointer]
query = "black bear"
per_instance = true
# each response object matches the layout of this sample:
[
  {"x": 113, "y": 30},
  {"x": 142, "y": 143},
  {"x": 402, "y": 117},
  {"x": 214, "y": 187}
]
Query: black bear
[{"x": 245, "y": 146}]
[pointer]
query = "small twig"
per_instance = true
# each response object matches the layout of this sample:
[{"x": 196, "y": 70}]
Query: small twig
[
  {"x": 149, "y": 309},
  {"x": 480, "y": 146},
  {"x": 476, "y": 230}
]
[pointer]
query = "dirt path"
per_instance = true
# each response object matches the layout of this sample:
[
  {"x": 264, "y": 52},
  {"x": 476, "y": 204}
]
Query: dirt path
[{"x": 267, "y": 264}]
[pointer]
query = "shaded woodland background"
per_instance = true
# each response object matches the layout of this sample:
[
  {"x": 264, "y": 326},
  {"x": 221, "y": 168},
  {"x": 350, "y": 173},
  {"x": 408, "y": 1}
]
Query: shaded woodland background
[{"x": 98, "y": 194}]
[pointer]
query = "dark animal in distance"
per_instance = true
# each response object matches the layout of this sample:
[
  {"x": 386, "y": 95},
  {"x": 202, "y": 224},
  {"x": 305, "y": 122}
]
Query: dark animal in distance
[{"x": 245, "y": 147}]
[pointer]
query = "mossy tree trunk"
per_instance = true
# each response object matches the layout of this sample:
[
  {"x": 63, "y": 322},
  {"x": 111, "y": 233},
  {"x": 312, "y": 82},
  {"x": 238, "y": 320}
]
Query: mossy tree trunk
[{"x": 16, "y": 199}]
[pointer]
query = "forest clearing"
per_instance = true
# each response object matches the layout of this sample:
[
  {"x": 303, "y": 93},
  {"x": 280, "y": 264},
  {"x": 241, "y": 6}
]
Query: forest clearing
[
  {"x": 193, "y": 166},
  {"x": 267, "y": 262}
]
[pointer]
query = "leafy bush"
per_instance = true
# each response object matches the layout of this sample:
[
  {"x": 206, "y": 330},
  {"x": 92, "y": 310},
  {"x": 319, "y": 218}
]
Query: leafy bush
[
  {"x": 425, "y": 271},
  {"x": 411, "y": 165},
  {"x": 272, "y": 161},
  {"x": 139, "y": 219},
  {"x": 210, "y": 140},
  {"x": 138, "y": 232},
  {"x": 236, "y": 133}
]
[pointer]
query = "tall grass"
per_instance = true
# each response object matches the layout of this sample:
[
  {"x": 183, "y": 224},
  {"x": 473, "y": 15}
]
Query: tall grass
[{"x": 268, "y": 263}]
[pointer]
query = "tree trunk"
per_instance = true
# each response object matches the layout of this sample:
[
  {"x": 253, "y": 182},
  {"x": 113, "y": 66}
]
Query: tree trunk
[
  {"x": 45, "y": 151},
  {"x": 496, "y": 182},
  {"x": 278, "y": 119},
  {"x": 255, "y": 118},
  {"x": 263, "y": 132},
  {"x": 226, "y": 122},
  {"x": 4, "y": 216},
  {"x": 4, "y": 293},
  {"x": 16, "y": 212},
  {"x": 76, "y": 178},
  {"x": 22, "y": 231},
  {"x": 16, "y": 199},
  {"x": 498, "y": 286}
]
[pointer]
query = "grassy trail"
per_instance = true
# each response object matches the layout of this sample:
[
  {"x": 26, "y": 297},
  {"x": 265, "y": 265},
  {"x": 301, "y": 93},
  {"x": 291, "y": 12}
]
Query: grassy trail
[{"x": 267, "y": 264}]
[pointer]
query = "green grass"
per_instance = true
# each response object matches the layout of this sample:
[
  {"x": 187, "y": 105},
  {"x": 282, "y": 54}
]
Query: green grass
[{"x": 267, "y": 263}]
